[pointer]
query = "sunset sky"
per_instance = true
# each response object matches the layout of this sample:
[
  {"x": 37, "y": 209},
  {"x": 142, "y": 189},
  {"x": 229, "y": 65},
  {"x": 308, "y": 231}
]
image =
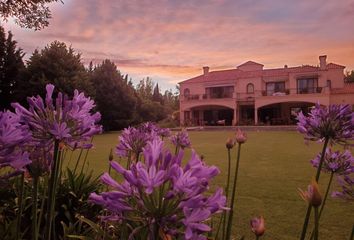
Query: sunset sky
[{"x": 171, "y": 41}]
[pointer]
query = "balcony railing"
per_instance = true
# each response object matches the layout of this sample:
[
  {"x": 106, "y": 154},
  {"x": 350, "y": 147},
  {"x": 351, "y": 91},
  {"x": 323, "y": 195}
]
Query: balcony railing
[
  {"x": 256, "y": 94},
  {"x": 208, "y": 96},
  {"x": 309, "y": 90}
]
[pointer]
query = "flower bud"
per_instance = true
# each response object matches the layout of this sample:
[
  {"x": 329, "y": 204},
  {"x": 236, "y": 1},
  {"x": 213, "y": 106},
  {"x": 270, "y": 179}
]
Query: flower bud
[
  {"x": 312, "y": 195},
  {"x": 257, "y": 226},
  {"x": 240, "y": 136},
  {"x": 230, "y": 143},
  {"x": 110, "y": 157}
]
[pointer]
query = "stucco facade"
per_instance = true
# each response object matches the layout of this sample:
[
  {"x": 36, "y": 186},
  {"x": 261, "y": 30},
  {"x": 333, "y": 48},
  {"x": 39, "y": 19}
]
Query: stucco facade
[{"x": 250, "y": 94}]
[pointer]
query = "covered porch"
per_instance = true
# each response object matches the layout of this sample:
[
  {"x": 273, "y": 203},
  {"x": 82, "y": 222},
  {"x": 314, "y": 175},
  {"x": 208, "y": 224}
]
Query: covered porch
[
  {"x": 281, "y": 113},
  {"x": 209, "y": 116}
]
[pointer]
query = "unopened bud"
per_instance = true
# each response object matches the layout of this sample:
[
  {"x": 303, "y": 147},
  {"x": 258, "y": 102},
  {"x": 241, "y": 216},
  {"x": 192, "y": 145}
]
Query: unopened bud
[
  {"x": 312, "y": 195},
  {"x": 110, "y": 157},
  {"x": 230, "y": 143},
  {"x": 258, "y": 226},
  {"x": 240, "y": 136}
]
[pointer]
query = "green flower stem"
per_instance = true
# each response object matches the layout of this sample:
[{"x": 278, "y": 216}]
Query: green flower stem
[
  {"x": 227, "y": 191},
  {"x": 229, "y": 222},
  {"x": 34, "y": 208},
  {"x": 257, "y": 237},
  {"x": 316, "y": 223},
  {"x": 51, "y": 192},
  {"x": 224, "y": 215},
  {"x": 352, "y": 234},
  {"x": 324, "y": 199},
  {"x": 85, "y": 158},
  {"x": 309, "y": 208},
  {"x": 20, "y": 205},
  {"x": 42, "y": 206},
  {"x": 77, "y": 162}
]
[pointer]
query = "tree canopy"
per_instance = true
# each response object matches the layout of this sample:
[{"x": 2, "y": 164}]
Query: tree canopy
[
  {"x": 11, "y": 67},
  {"x": 34, "y": 14}
]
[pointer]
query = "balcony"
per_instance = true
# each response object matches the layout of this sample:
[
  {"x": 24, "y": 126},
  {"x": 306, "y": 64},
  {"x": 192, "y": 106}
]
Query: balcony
[
  {"x": 194, "y": 97},
  {"x": 309, "y": 90}
]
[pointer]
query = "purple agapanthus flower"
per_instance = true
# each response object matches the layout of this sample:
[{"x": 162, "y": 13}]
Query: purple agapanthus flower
[
  {"x": 13, "y": 137},
  {"x": 69, "y": 121},
  {"x": 341, "y": 163},
  {"x": 162, "y": 193},
  {"x": 181, "y": 140},
  {"x": 133, "y": 140},
  {"x": 346, "y": 183},
  {"x": 334, "y": 123}
]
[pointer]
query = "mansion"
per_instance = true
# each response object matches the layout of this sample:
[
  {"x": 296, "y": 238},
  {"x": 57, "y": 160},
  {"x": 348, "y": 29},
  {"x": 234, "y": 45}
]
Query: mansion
[{"x": 251, "y": 95}]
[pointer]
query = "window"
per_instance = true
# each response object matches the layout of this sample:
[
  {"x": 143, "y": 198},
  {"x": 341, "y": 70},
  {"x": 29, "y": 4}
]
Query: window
[
  {"x": 329, "y": 84},
  {"x": 250, "y": 88},
  {"x": 220, "y": 92},
  {"x": 275, "y": 87},
  {"x": 307, "y": 85}
]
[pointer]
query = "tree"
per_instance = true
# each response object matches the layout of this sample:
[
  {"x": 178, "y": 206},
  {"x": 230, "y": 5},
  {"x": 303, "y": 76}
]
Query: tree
[
  {"x": 116, "y": 99},
  {"x": 33, "y": 14},
  {"x": 349, "y": 77},
  {"x": 59, "y": 65},
  {"x": 156, "y": 96},
  {"x": 11, "y": 68},
  {"x": 145, "y": 89}
]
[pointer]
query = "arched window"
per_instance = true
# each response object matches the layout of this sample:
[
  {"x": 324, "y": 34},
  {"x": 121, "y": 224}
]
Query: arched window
[
  {"x": 186, "y": 92},
  {"x": 250, "y": 88}
]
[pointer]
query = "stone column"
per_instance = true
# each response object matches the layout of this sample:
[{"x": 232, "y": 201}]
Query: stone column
[
  {"x": 234, "y": 120},
  {"x": 255, "y": 116},
  {"x": 181, "y": 118}
]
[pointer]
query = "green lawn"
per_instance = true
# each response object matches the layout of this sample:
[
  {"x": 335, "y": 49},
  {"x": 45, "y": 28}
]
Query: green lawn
[{"x": 273, "y": 166}]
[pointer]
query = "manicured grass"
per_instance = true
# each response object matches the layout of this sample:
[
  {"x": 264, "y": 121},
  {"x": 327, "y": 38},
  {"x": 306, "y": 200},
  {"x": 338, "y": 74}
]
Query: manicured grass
[{"x": 273, "y": 166}]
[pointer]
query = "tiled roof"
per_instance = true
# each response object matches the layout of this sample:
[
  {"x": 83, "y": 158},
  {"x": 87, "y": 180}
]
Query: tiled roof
[
  {"x": 232, "y": 74},
  {"x": 250, "y": 63},
  {"x": 333, "y": 65},
  {"x": 348, "y": 88}
]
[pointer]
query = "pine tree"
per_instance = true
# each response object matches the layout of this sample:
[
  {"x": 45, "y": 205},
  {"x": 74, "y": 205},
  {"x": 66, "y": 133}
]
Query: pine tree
[{"x": 11, "y": 68}]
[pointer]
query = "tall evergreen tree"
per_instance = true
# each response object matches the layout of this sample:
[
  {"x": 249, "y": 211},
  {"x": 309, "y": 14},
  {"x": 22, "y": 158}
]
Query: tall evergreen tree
[
  {"x": 156, "y": 96},
  {"x": 11, "y": 68},
  {"x": 115, "y": 98}
]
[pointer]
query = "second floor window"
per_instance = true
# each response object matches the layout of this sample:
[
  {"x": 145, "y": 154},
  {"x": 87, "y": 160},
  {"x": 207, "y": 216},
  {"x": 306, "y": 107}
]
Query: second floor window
[
  {"x": 219, "y": 92},
  {"x": 250, "y": 88},
  {"x": 275, "y": 87},
  {"x": 307, "y": 85}
]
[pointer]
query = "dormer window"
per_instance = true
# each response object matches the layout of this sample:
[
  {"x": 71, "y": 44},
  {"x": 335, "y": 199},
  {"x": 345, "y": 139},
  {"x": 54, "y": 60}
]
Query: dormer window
[{"x": 250, "y": 88}]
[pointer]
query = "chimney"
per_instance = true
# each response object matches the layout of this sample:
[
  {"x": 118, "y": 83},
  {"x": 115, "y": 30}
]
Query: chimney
[
  {"x": 323, "y": 62},
  {"x": 206, "y": 70}
]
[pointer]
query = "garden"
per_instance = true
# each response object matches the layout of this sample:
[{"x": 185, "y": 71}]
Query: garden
[{"x": 61, "y": 178}]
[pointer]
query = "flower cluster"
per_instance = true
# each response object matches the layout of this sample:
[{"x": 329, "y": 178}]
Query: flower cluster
[
  {"x": 181, "y": 140},
  {"x": 341, "y": 163},
  {"x": 347, "y": 184},
  {"x": 69, "y": 121},
  {"x": 13, "y": 136},
  {"x": 162, "y": 194},
  {"x": 133, "y": 140},
  {"x": 334, "y": 123}
]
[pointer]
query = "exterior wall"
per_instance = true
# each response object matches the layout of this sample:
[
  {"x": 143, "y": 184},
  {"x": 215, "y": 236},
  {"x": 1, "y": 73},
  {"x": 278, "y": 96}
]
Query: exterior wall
[{"x": 347, "y": 98}]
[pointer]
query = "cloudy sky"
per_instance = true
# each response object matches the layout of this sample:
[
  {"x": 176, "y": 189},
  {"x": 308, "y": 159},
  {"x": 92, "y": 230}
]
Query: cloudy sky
[{"x": 171, "y": 41}]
